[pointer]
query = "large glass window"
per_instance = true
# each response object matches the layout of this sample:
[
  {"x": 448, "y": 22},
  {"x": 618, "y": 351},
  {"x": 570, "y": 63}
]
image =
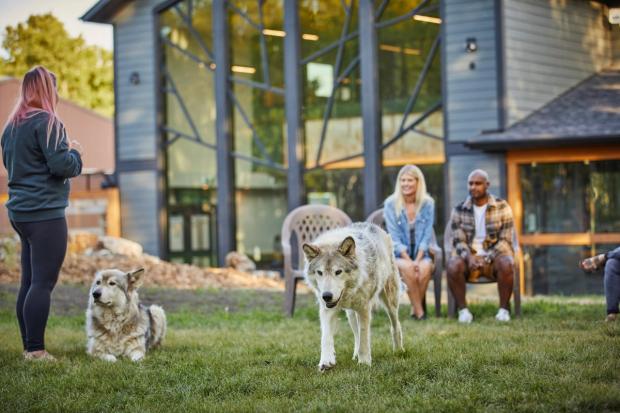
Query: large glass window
[
  {"x": 331, "y": 104},
  {"x": 410, "y": 93},
  {"x": 567, "y": 207},
  {"x": 257, "y": 54},
  {"x": 188, "y": 130},
  {"x": 571, "y": 197}
]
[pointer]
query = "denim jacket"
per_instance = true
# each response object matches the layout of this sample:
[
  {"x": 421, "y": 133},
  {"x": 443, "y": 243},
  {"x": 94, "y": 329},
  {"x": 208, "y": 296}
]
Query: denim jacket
[{"x": 398, "y": 227}]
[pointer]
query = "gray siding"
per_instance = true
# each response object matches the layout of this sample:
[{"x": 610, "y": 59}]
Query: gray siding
[
  {"x": 139, "y": 215},
  {"x": 550, "y": 46},
  {"x": 459, "y": 167},
  {"x": 136, "y": 123},
  {"x": 136, "y": 104},
  {"x": 470, "y": 95}
]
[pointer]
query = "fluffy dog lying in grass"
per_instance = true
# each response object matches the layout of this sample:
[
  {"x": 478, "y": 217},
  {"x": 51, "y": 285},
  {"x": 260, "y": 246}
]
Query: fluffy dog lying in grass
[
  {"x": 350, "y": 268},
  {"x": 116, "y": 323}
]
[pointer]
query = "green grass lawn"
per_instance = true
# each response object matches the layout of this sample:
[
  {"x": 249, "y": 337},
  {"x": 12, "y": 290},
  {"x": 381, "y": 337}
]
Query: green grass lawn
[{"x": 559, "y": 357}]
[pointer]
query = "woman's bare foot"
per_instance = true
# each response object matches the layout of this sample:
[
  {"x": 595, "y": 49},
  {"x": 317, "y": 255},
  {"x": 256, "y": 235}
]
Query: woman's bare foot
[{"x": 42, "y": 355}]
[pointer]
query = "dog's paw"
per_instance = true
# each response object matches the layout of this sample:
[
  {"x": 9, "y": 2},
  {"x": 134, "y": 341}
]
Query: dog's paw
[
  {"x": 355, "y": 356},
  {"x": 137, "y": 356},
  {"x": 323, "y": 367},
  {"x": 109, "y": 357}
]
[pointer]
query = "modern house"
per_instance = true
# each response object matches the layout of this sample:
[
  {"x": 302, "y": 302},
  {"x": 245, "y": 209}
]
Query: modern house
[{"x": 231, "y": 113}]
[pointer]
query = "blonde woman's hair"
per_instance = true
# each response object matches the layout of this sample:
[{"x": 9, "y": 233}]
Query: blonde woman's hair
[{"x": 421, "y": 194}]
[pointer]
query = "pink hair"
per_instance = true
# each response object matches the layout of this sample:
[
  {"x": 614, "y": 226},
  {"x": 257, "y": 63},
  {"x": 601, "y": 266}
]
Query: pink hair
[{"x": 38, "y": 94}]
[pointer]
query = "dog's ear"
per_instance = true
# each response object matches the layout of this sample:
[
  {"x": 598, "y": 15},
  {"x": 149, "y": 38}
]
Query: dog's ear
[
  {"x": 311, "y": 251},
  {"x": 134, "y": 278},
  {"x": 347, "y": 247}
]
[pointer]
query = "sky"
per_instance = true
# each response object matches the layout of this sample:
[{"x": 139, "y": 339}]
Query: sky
[{"x": 67, "y": 11}]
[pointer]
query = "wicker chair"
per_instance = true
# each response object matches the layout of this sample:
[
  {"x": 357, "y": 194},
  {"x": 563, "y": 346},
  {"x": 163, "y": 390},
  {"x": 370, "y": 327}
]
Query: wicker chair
[
  {"x": 516, "y": 289},
  {"x": 377, "y": 218},
  {"x": 301, "y": 225}
]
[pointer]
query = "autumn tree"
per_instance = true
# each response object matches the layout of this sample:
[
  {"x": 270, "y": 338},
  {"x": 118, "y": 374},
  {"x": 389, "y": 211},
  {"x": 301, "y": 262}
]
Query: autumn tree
[{"x": 85, "y": 73}]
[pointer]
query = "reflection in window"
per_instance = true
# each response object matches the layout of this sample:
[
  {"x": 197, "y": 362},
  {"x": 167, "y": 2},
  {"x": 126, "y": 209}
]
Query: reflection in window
[
  {"x": 571, "y": 197},
  {"x": 188, "y": 127},
  {"x": 200, "y": 232},
  {"x": 331, "y": 104},
  {"x": 554, "y": 270},
  {"x": 259, "y": 125},
  {"x": 175, "y": 233}
]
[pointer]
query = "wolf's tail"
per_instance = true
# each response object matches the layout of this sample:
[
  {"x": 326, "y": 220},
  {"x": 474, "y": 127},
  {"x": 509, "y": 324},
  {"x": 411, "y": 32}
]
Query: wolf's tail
[{"x": 158, "y": 325}]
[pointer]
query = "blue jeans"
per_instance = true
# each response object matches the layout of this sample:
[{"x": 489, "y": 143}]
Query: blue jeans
[{"x": 612, "y": 281}]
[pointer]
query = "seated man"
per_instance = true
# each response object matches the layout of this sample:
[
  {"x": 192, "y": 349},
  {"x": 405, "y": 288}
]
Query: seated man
[
  {"x": 482, "y": 228},
  {"x": 611, "y": 282}
]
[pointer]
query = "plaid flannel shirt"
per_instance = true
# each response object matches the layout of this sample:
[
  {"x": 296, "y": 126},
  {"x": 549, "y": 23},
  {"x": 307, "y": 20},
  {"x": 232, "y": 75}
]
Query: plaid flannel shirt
[{"x": 499, "y": 225}]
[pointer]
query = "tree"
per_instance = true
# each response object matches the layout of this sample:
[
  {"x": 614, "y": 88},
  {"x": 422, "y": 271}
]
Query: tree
[{"x": 85, "y": 73}]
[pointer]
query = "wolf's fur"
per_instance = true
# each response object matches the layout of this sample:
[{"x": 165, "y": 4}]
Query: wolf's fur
[
  {"x": 356, "y": 266},
  {"x": 116, "y": 323}
]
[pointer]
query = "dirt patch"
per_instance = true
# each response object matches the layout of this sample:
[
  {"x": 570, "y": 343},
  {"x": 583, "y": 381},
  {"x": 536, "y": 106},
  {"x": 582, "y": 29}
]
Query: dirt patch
[{"x": 86, "y": 256}]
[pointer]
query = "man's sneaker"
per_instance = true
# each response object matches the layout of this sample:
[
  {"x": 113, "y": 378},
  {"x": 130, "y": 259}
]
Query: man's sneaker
[
  {"x": 465, "y": 316},
  {"x": 611, "y": 317},
  {"x": 502, "y": 315}
]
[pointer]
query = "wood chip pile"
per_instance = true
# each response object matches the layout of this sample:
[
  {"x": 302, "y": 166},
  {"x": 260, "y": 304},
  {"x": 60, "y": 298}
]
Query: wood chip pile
[{"x": 88, "y": 253}]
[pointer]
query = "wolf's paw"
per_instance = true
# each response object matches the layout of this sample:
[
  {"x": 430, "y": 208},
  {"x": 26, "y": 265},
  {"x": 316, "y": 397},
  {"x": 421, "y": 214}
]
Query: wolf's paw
[
  {"x": 323, "y": 367},
  {"x": 364, "y": 360},
  {"x": 109, "y": 357},
  {"x": 137, "y": 356}
]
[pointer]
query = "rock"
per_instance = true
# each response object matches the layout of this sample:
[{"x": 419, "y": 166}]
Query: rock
[
  {"x": 121, "y": 246},
  {"x": 239, "y": 262}
]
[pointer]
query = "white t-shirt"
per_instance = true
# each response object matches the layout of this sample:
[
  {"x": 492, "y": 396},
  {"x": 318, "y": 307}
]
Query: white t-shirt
[{"x": 481, "y": 231}]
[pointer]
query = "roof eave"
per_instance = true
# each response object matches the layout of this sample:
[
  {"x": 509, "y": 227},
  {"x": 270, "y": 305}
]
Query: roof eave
[
  {"x": 102, "y": 11},
  {"x": 531, "y": 142}
]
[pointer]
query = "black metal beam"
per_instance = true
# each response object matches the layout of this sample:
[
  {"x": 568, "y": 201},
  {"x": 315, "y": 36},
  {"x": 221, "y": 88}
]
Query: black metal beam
[
  {"x": 371, "y": 112},
  {"x": 293, "y": 103},
  {"x": 226, "y": 222}
]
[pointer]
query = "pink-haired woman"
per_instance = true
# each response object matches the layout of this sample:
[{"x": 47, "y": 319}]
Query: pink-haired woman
[{"x": 39, "y": 159}]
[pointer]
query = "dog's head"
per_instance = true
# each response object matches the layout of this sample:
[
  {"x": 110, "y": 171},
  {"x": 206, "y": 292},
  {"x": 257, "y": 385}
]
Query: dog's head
[
  {"x": 113, "y": 288},
  {"x": 331, "y": 270}
]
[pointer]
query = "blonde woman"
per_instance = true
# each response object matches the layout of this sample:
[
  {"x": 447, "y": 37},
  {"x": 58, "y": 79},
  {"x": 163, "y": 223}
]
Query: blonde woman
[
  {"x": 39, "y": 159},
  {"x": 409, "y": 216}
]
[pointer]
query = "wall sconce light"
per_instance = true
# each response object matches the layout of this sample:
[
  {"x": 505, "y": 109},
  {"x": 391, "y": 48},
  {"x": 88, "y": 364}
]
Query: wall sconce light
[
  {"x": 471, "y": 45},
  {"x": 134, "y": 78}
]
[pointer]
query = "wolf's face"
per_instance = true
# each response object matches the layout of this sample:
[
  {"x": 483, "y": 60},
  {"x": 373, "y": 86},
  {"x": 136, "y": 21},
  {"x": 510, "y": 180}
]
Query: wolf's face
[
  {"x": 111, "y": 288},
  {"x": 331, "y": 271}
]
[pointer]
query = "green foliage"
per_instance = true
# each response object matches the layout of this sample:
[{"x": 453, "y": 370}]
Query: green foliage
[
  {"x": 85, "y": 73},
  {"x": 559, "y": 357}
]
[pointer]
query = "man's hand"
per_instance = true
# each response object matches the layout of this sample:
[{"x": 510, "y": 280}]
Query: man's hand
[{"x": 475, "y": 262}]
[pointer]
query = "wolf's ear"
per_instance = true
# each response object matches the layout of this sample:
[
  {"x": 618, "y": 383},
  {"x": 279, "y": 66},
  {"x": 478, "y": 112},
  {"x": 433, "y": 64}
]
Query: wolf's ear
[
  {"x": 311, "y": 251},
  {"x": 347, "y": 247},
  {"x": 135, "y": 278}
]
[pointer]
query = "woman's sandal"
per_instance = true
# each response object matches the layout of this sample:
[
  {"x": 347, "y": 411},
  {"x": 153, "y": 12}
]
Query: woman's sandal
[
  {"x": 38, "y": 356},
  {"x": 593, "y": 263}
]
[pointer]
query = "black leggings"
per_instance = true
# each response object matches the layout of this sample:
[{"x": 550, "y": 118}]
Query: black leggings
[{"x": 44, "y": 245}]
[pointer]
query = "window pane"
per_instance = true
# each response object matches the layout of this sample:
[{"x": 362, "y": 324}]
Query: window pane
[
  {"x": 555, "y": 197},
  {"x": 259, "y": 128},
  {"x": 605, "y": 193},
  {"x": 554, "y": 270},
  {"x": 188, "y": 127}
]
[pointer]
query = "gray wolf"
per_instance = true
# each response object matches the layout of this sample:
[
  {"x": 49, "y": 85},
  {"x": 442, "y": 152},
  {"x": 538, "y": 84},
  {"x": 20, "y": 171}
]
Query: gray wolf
[
  {"x": 116, "y": 323},
  {"x": 351, "y": 268}
]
